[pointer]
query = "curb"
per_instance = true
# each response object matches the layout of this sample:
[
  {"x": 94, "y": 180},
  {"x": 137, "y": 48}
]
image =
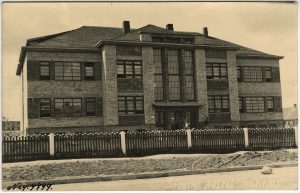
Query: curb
[{"x": 146, "y": 175}]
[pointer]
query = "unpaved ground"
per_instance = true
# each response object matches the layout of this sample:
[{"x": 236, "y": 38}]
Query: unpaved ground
[
  {"x": 44, "y": 170},
  {"x": 281, "y": 179}
]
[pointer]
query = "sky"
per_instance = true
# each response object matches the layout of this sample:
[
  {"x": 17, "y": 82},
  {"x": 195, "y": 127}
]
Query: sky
[{"x": 267, "y": 27}]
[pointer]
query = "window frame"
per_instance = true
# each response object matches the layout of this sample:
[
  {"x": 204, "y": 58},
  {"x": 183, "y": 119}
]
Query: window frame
[
  {"x": 259, "y": 109},
  {"x": 219, "y": 66},
  {"x": 131, "y": 63},
  {"x": 269, "y": 99},
  {"x": 43, "y": 77},
  {"x": 64, "y": 114},
  {"x": 45, "y": 114},
  {"x": 158, "y": 75},
  {"x": 126, "y": 111},
  {"x": 86, "y": 106},
  {"x": 252, "y": 79},
  {"x": 63, "y": 72},
  {"x": 268, "y": 69},
  {"x": 221, "y": 100},
  {"x": 89, "y": 64},
  {"x": 174, "y": 75},
  {"x": 190, "y": 75}
]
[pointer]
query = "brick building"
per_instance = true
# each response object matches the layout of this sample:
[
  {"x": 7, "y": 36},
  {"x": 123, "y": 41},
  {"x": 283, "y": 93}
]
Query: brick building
[{"x": 104, "y": 78}]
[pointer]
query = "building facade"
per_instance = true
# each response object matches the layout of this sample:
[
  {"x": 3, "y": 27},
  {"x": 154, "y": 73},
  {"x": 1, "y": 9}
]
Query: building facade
[{"x": 110, "y": 79}]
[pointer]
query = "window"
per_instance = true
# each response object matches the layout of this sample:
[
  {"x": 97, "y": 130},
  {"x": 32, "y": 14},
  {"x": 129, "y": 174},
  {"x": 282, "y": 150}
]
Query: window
[
  {"x": 67, "y": 107},
  {"x": 189, "y": 75},
  {"x": 216, "y": 71},
  {"x": 158, "y": 89},
  {"x": 239, "y": 75},
  {"x": 129, "y": 69},
  {"x": 252, "y": 74},
  {"x": 218, "y": 104},
  {"x": 255, "y": 104},
  {"x": 89, "y": 71},
  {"x": 67, "y": 71},
  {"x": 131, "y": 105},
  {"x": 90, "y": 106},
  {"x": 45, "y": 108},
  {"x": 174, "y": 75},
  {"x": 241, "y": 106},
  {"x": 44, "y": 70},
  {"x": 159, "y": 118},
  {"x": 268, "y": 74},
  {"x": 270, "y": 104}
]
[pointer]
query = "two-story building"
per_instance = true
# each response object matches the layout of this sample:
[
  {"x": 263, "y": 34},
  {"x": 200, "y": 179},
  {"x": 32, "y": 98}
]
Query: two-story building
[{"x": 103, "y": 78}]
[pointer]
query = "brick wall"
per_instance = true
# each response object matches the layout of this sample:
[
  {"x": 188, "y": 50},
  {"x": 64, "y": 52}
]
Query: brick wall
[
  {"x": 109, "y": 76},
  {"x": 233, "y": 86},
  {"x": 201, "y": 84},
  {"x": 130, "y": 85},
  {"x": 148, "y": 71},
  {"x": 131, "y": 120}
]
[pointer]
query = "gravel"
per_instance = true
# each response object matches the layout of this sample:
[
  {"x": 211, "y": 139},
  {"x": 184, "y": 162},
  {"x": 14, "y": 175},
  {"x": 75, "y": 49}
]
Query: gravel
[{"x": 105, "y": 167}]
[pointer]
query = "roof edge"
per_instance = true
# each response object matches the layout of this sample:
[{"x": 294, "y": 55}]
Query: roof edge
[
  {"x": 259, "y": 56},
  {"x": 113, "y": 42}
]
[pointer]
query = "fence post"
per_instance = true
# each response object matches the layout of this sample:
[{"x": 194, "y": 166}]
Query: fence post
[
  {"x": 246, "y": 136},
  {"x": 296, "y": 135},
  {"x": 123, "y": 142},
  {"x": 51, "y": 144},
  {"x": 189, "y": 137}
]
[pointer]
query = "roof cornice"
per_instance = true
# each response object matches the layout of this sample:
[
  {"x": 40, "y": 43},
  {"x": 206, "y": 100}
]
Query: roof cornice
[
  {"x": 160, "y": 44},
  {"x": 259, "y": 56}
]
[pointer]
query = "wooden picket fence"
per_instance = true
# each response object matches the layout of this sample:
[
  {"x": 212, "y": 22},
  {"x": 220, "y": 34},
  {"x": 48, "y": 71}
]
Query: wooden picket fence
[
  {"x": 144, "y": 143},
  {"x": 154, "y": 142},
  {"x": 267, "y": 138},
  {"x": 25, "y": 148},
  {"x": 88, "y": 145},
  {"x": 218, "y": 140}
]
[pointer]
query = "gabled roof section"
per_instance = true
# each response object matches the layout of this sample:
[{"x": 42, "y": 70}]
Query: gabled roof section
[{"x": 83, "y": 37}]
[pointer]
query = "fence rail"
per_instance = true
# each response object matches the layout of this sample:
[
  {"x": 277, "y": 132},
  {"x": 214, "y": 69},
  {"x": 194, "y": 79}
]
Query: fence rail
[{"x": 145, "y": 143}]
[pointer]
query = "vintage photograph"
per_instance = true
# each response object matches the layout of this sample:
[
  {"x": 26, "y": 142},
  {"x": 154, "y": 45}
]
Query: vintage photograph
[{"x": 149, "y": 96}]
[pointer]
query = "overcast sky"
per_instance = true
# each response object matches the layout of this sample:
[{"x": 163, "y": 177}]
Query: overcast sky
[{"x": 268, "y": 27}]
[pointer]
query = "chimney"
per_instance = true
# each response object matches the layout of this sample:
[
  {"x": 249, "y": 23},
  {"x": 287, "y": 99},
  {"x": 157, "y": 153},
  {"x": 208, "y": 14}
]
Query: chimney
[
  {"x": 205, "y": 31},
  {"x": 170, "y": 27},
  {"x": 126, "y": 27}
]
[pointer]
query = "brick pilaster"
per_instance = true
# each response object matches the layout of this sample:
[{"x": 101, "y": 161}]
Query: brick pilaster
[
  {"x": 110, "y": 96},
  {"x": 148, "y": 82},
  {"x": 233, "y": 86},
  {"x": 201, "y": 84}
]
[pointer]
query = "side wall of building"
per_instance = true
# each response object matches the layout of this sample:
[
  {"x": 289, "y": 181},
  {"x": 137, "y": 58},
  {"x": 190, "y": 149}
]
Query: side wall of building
[
  {"x": 262, "y": 89},
  {"x": 56, "y": 89}
]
